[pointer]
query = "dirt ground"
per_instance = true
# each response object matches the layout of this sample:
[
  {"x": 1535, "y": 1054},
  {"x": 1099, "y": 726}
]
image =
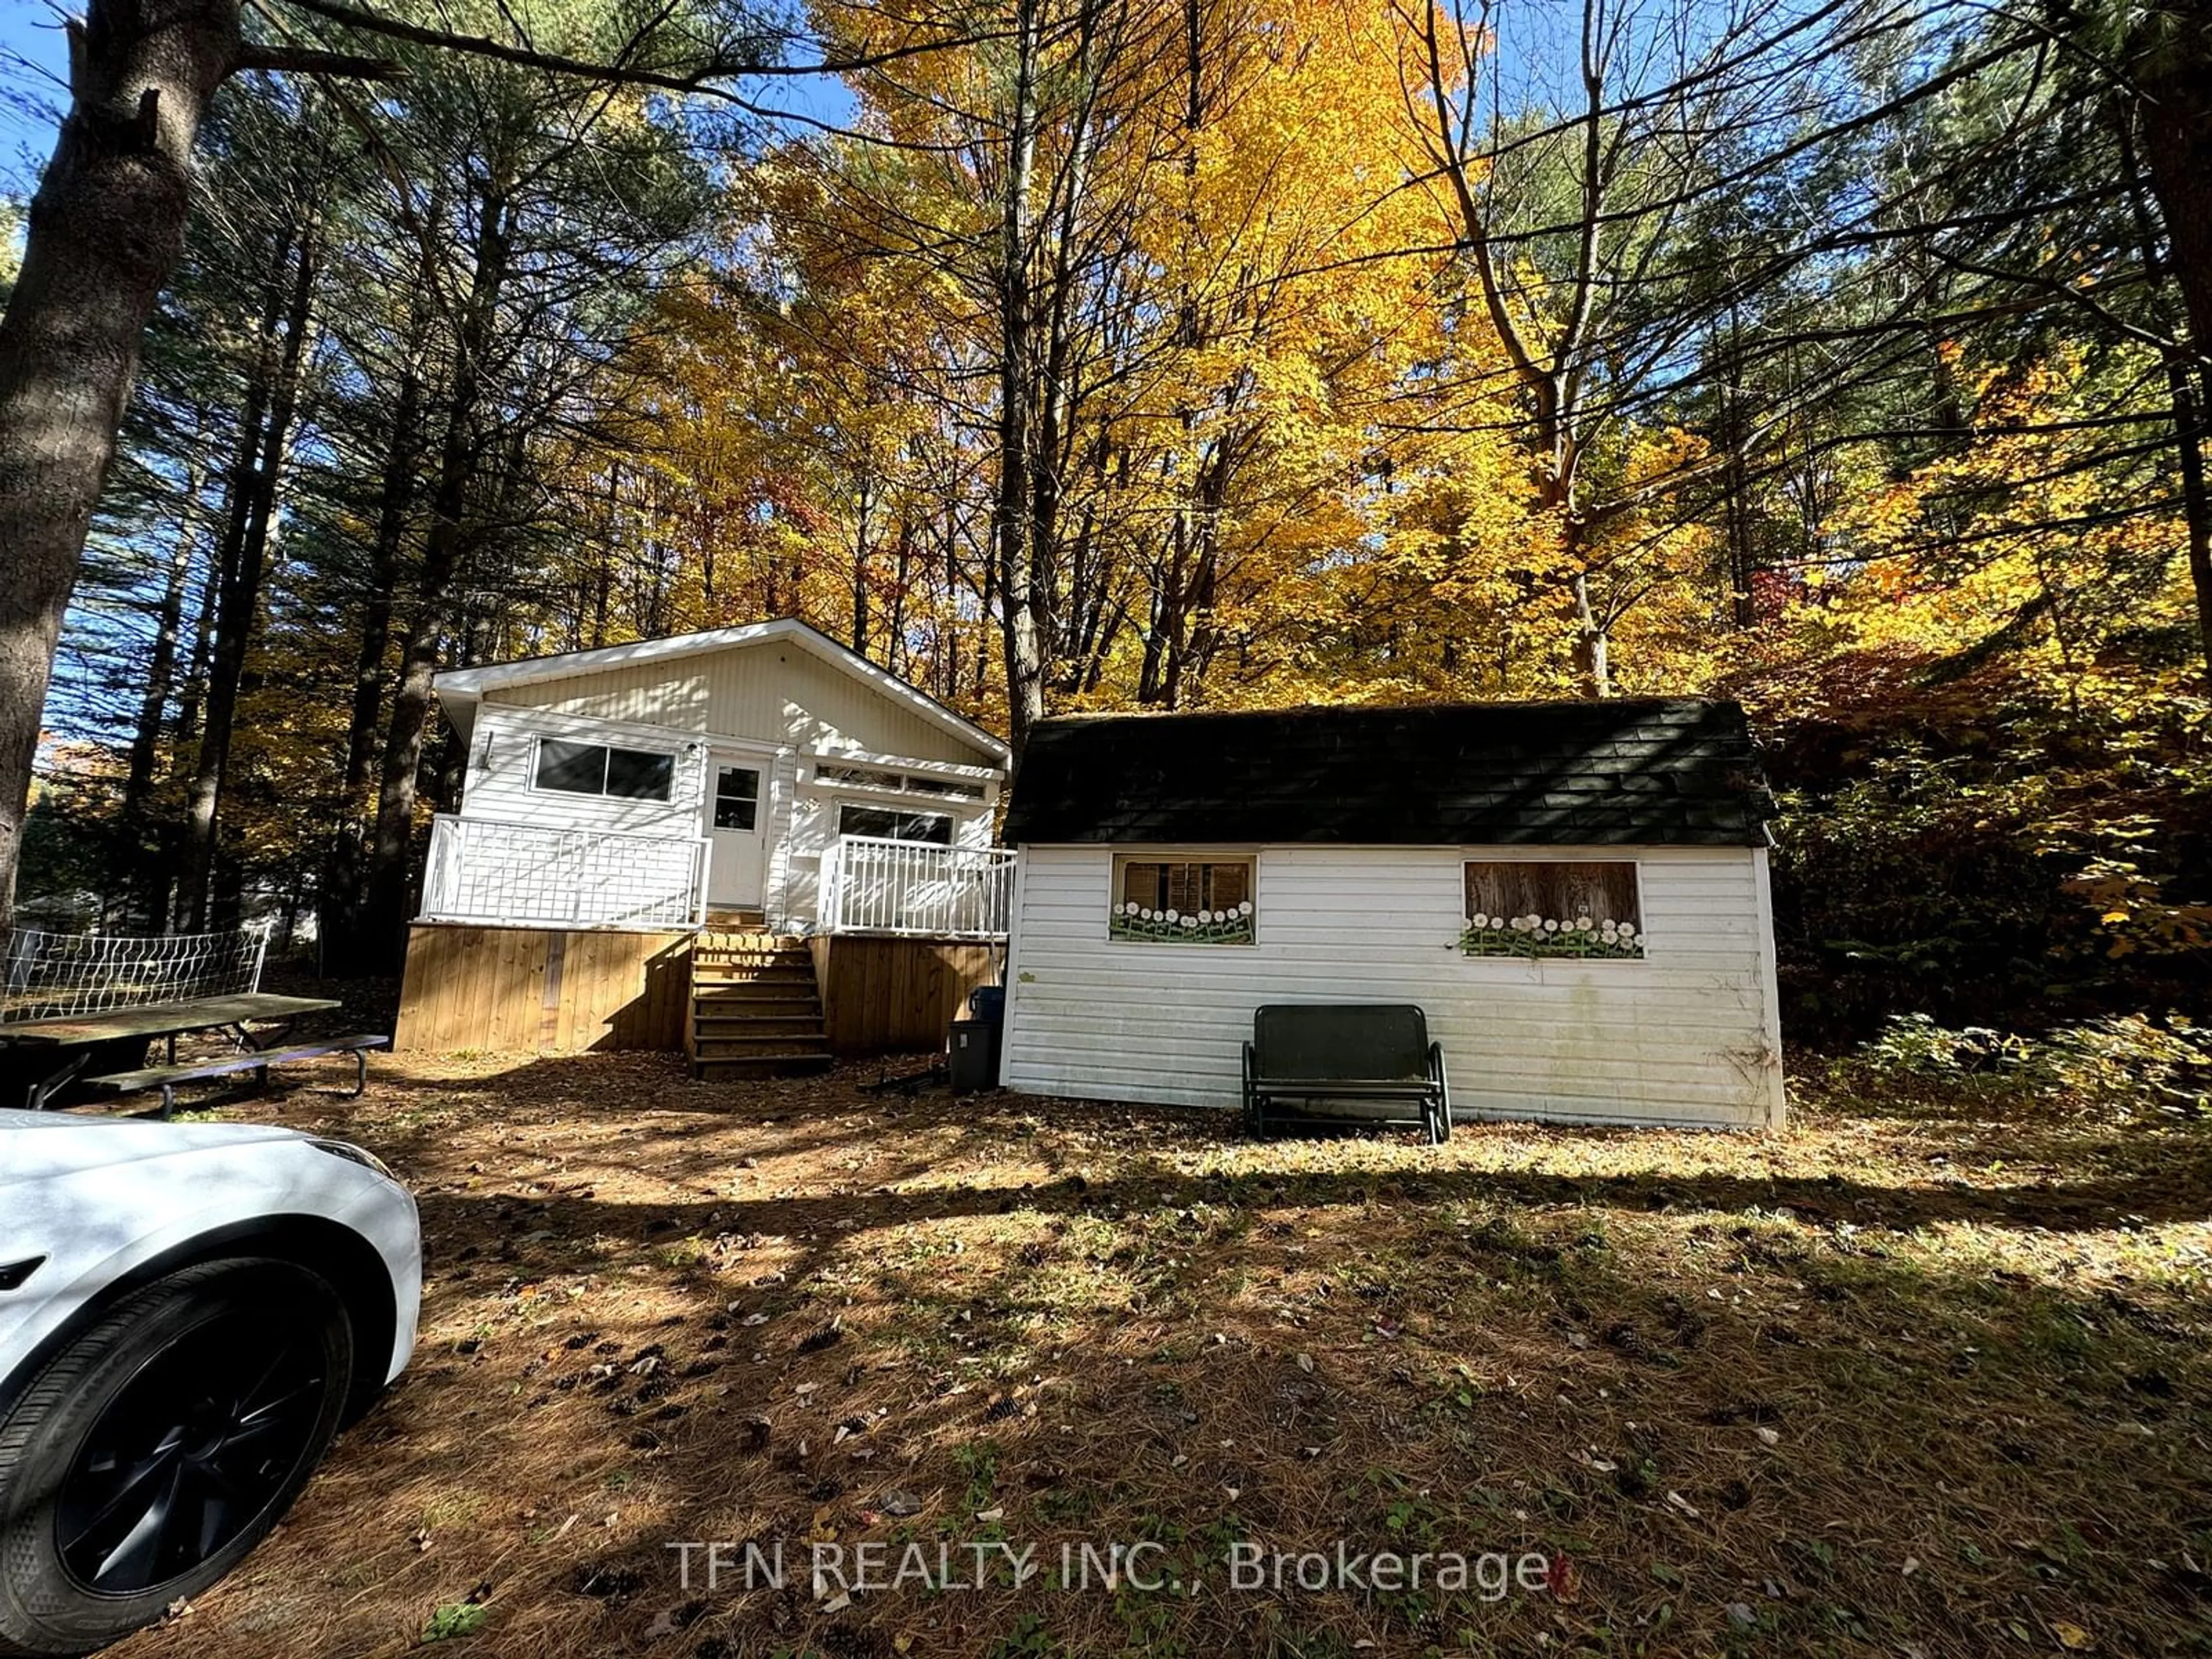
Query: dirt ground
[{"x": 1913, "y": 1379}]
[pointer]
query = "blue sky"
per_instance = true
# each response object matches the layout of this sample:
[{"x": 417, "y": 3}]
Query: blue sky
[
  {"x": 33, "y": 62},
  {"x": 34, "y": 55}
]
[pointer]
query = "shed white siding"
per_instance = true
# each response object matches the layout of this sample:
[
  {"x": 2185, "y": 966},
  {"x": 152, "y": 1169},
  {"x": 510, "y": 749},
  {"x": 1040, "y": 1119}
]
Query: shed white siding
[{"x": 1690, "y": 1035}]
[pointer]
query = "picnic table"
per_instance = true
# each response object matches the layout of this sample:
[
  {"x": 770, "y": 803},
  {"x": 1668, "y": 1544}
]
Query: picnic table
[{"x": 39, "y": 1058}]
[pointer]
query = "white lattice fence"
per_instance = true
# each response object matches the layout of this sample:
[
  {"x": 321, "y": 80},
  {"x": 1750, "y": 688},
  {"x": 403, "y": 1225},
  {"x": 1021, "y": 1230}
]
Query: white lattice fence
[
  {"x": 56, "y": 975},
  {"x": 484, "y": 871}
]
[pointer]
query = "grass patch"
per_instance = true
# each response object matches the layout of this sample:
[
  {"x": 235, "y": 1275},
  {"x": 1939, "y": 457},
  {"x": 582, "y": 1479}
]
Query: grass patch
[{"x": 455, "y": 1618}]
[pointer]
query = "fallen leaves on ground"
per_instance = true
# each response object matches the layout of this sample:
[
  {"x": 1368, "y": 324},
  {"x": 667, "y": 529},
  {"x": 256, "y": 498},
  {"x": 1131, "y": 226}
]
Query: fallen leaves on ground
[{"x": 1724, "y": 1384}]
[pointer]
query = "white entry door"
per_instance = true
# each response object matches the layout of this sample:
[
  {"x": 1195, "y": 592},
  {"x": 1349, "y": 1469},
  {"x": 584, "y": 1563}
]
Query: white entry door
[{"x": 737, "y": 824}]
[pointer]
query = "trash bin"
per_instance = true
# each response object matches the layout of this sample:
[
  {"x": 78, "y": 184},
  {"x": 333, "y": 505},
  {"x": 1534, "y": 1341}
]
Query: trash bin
[{"x": 972, "y": 1051}]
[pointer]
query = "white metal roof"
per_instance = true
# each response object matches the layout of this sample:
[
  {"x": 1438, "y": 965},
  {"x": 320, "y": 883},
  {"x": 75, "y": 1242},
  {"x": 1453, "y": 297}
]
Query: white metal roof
[{"x": 465, "y": 686}]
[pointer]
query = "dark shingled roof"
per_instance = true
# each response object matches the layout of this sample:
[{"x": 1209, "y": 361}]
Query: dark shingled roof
[{"x": 1529, "y": 774}]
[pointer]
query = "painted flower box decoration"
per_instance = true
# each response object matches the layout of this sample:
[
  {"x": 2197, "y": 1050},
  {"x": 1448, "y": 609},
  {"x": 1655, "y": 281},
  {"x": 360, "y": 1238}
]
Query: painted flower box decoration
[
  {"x": 1533, "y": 935},
  {"x": 1231, "y": 925}
]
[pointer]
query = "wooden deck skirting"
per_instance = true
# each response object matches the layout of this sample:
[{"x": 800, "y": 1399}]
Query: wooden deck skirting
[
  {"x": 886, "y": 995},
  {"x": 547, "y": 990},
  {"x": 496, "y": 989}
]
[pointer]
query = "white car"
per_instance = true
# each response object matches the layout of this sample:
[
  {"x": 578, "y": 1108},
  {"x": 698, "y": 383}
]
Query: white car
[{"x": 188, "y": 1313}]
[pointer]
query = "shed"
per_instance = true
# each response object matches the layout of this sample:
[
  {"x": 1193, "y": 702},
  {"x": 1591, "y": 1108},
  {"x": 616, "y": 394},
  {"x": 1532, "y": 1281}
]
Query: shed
[{"x": 1575, "y": 892}]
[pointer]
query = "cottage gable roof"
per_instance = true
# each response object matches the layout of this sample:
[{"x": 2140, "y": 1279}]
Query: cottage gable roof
[
  {"x": 460, "y": 688},
  {"x": 1615, "y": 773}
]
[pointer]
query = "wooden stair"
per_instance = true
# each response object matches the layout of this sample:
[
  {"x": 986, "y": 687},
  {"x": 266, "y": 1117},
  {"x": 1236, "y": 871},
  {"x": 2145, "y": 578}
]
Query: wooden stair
[{"x": 756, "y": 1010}]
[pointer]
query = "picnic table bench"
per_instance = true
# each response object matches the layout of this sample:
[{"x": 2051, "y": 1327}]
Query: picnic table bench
[
  {"x": 46, "y": 1056},
  {"x": 1372, "y": 1061},
  {"x": 256, "y": 1060}
]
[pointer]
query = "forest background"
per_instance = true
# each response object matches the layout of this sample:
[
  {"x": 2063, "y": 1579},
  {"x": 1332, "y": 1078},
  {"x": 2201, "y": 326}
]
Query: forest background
[{"x": 1065, "y": 355}]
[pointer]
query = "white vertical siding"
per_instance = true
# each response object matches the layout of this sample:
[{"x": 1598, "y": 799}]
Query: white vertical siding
[
  {"x": 785, "y": 692},
  {"x": 782, "y": 789},
  {"x": 668, "y": 694},
  {"x": 1689, "y": 1034},
  {"x": 801, "y": 817},
  {"x": 813, "y": 827},
  {"x": 777, "y": 692},
  {"x": 814, "y": 815},
  {"x": 502, "y": 750}
]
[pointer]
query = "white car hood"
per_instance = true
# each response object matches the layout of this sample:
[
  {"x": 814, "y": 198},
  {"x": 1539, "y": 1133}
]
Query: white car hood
[
  {"x": 42, "y": 1145},
  {"x": 95, "y": 1199}
]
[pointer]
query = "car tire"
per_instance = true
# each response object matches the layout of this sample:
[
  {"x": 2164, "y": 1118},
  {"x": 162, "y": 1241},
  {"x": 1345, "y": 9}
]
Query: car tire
[{"x": 152, "y": 1454}]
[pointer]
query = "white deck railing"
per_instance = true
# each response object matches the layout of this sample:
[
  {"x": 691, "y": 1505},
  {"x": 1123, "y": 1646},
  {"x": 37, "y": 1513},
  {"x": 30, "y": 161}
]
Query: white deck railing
[
  {"x": 871, "y": 885},
  {"x": 484, "y": 871}
]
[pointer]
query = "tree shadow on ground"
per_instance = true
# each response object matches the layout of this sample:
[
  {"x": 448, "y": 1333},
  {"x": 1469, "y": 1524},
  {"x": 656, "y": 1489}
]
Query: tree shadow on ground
[{"x": 1756, "y": 1404}]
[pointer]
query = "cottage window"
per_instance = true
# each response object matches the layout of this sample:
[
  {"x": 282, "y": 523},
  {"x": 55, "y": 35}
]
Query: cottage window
[
  {"x": 914, "y": 783},
  {"x": 1553, "y": 908},
  {"x": 1183, "y": 900},
  {"x": 593, "y": 768},
  {"x": 860, "y": 777},
  {"x": 922, "y": 784},
  {"x": 932, "y": 828}
]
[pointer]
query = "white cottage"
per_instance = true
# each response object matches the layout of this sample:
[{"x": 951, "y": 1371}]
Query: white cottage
[
  {"x": 1576, "y": 893},
  {"x": 741, "y": 795}
]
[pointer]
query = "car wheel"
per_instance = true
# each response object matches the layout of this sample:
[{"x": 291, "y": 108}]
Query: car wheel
[{"x": 152, "y": 1454}]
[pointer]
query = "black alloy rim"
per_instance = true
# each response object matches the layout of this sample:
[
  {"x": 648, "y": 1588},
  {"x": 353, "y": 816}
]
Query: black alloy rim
[{"x": 193, "y": 1451}]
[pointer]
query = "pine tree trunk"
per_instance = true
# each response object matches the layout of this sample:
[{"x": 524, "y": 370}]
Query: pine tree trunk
[
  {"x": 384, "y": 920},
  {"x": 894, "y": 648},
  {"x": 245, "y": 559},
  {"x": 2173, "y": 78},
  {"x": 338, "y": 914},
  {"x": 864, "y": 505},
  {"x": 144, "y": 832},
  {"x": 222, "y": 657},
  {"x": 2186, "y": 377},
  {"x": 106, "y": 229},
  {"x": 1011, "y": 527},
  {"x": 1735, "y": 483},
  {"x": 603, "y": 578},
  {"x": 2190, "y": 433},
  {"x": 195, "y": 691}
]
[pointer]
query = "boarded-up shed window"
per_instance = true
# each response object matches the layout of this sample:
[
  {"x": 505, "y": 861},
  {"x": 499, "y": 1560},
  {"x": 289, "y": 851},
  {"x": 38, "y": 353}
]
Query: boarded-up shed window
[
  {"x": 1552, "y": 907},
  {"x": 1183, "y": 900}
]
